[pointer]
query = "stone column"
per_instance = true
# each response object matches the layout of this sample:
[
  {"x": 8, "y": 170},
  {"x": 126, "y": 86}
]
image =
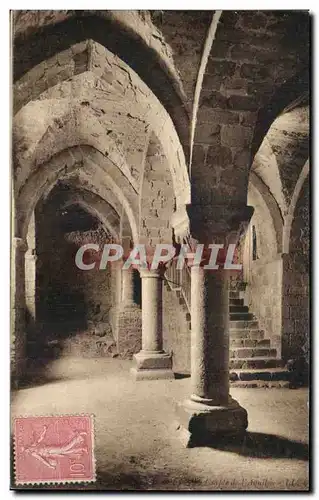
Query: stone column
[
  {"x": 209, "y": 337},
  {"x": 18, "y": 333},
  {"x": 152, "y": 362},
  {"x": 210, "y": 410}
]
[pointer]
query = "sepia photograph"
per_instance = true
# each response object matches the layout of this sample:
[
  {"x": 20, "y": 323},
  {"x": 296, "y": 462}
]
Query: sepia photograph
[{"x": 160, "y": 250}]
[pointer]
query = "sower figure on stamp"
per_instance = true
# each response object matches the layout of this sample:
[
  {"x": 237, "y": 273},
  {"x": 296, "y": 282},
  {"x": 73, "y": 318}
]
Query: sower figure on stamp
[{"x": 45, "y": 452}]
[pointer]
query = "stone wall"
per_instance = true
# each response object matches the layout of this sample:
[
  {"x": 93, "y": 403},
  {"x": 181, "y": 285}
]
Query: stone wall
[
  {"x": 296, "y": 282},
  {"x": 247, "y": 61},
  {"x": 129, "y": 330},
  {"x": 81, "y": 299},
  {"x": 157, "y": 197},
  {"x": 262, "y": 219},
  {"x": 264, "y": 274},
  {"x": 263, "y": 296}
]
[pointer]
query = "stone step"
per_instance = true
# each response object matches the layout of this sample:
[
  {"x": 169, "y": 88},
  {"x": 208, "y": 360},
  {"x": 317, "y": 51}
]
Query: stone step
[
  {"x": 267, "y": 374},
  {"x": 260, "y": 384},
  {"x": 236, "y": 302},
  {"x": 252, "y": 352},
  {"x": 242, "y": 324},
  {"x": 233, "y": 295},
  {"x": 255, "y": 363},
  {"x": 245, "y": 316},
  {"x": 246, "y": 333},
  {"x": 249, "y": 343},
  {"x": 238, "y": 309}
]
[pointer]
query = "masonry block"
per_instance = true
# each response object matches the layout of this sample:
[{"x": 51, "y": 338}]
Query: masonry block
[
  {"x": 223, "y": 116},
  {"x": 219, "y": 155},
  {"x": 216, "y": 67},
  {"x": 244, "y": 103},
  {"x": 254, "y": 72},
  {"x": 235, "y": 136}
]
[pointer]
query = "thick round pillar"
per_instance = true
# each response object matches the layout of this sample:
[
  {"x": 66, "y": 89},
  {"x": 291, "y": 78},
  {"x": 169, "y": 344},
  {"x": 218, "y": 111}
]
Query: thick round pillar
[
  {"x": 210, "y": 411},
  {"x": 210, "y": 336},
  {"x": 152, "y": 362}
]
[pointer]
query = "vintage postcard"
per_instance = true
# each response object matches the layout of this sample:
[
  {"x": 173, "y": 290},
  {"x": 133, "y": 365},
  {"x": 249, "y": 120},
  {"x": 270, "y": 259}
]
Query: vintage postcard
[{"x": 160, "y": 235}]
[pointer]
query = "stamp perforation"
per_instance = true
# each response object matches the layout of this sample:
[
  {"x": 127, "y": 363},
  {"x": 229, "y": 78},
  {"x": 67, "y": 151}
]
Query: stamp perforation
[{"x": 57, "y": 481}]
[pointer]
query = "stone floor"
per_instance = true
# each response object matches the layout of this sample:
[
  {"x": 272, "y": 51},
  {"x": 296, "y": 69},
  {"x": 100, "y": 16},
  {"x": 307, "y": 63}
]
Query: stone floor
[{"x": 139, "y": 445}]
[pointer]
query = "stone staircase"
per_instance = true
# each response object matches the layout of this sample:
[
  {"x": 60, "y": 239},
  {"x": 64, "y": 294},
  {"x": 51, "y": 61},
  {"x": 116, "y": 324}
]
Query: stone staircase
[{"x": 253, "y": 361}]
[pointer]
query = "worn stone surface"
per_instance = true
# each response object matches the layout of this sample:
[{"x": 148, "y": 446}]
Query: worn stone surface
[
  {"x": 114, "y": 104},
  {"x": 296, "y": 326},
  {"x": 157, "y": 198},
  {"x": 289, "y": 139},
  {"x": 248, "y": 61},
  {"x": 129, "y": 340},
  {"x": 117, "y": 127},
  {"x": 204, "y": 422},
  {"x": 278, "y": 427},
  {"x": 264, "y": 274},
  {"x": 184, "y": 31},
  {"x": 69, "y": 300}
]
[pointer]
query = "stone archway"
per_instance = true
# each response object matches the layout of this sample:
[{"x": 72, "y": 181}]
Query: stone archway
[
  {"x": 105, "y": 90},
  {"x": 40, "y": 37},
  {"x": 72, "y": 306},
  {"x": 73, "y": 161}
]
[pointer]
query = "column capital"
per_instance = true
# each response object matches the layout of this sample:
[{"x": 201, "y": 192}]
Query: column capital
[
  {"x": 218, "y": 223},
  {"x": 152, "y": 273}
]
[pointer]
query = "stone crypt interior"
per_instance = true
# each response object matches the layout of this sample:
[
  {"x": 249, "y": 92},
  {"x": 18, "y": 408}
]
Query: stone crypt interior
[{"x": 181, "y": 127}]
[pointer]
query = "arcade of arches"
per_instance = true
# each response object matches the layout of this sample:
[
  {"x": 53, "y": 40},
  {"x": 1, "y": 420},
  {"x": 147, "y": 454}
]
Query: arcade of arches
[{"x": 163, "y": 127}]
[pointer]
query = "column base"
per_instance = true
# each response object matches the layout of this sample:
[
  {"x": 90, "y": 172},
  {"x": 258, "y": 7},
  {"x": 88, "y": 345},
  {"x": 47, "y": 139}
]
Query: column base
[
  {"x": 205, "y": 423},
  {"x": 152, "y": 366}
]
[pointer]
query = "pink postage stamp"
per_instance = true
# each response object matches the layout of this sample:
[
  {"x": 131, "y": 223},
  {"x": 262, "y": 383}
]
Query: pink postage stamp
[{"x": 54, "y": 449}]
